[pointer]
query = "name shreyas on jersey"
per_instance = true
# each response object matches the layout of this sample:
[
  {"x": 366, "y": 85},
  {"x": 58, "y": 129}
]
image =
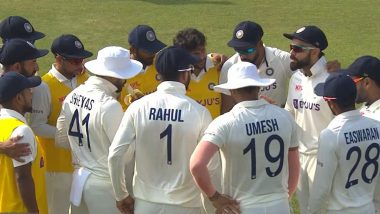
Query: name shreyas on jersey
[
  {"x": 81, "y": 101},
  {"x": 358, "y": 136},
  {"x": 260, "y": 127},
  {"x": 174, "y": 115},
  {"x": 300, "y": 104}
]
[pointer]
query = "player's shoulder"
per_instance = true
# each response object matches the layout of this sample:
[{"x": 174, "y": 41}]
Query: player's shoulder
[{"x": 277, "y": 52}]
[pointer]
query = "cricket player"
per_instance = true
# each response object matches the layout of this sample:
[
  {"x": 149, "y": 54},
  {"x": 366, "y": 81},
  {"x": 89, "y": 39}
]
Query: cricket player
[
  {"x": 162, "y": 129},
  {"x": 310, "y": 111},
  {"x": 365, "y": 72},
  {"x": 143, "y": 45},
  {"x": 271, "y": 62},
  {"x": 206, "y": 73},
  {"x": 90, "y": 117},
  {"x": 22, "y": 184},
  {"x": 18, "y": 27},
  {"x": 259, "y": 147},
  {"x": 65, "y": 75},
  {"x": 349, "y": 148}
]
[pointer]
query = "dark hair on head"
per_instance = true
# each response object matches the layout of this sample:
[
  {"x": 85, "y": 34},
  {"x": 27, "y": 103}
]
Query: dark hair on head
[
  {"x": 249, "y": 89},
  {"x": 169, "y": 76},
  {"x": 189, "y": 38},
  {"x": 346, "y": 103}
]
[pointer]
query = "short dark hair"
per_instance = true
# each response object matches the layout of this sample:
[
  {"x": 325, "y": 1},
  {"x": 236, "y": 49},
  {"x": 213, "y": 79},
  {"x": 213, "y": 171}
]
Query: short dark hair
[
  {"x": 249, "y": 89},
  {"x": 346, "y": 103},
  {"x": 189, "y": 38},
  {"x": 169, "y": 76}
]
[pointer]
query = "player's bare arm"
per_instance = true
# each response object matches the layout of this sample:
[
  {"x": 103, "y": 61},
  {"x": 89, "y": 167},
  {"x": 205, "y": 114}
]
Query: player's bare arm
[{"x": 25, "y": 185}]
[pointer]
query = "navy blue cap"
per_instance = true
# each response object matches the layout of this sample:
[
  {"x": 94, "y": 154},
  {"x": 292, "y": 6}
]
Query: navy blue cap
[
  {"x": 17, "y": 50},
  {"x": 338, "y": 86},
  {"x": 310, "y": 34},
  {"x": 18, "y": 27},
  {"x": 69, "y": 46},
  {"x": 365, "y": 66},
  {"x": 175, "y": 59},
  {"x": 12, "y": 83},
  {"x": 246, "y": 34},
  {"x": 143, "y": 37}
]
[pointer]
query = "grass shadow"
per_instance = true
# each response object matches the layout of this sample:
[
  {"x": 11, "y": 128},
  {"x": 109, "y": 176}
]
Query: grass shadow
[{"x": 183, "y": 2}]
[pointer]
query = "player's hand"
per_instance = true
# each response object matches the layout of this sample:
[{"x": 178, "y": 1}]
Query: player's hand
[
  {"x": 268, "y": 99},
  {"x": 218, "y": 60},
  {"x": 16, "y": 150},
  {"x": 224, "y": 204},
  {"x": 333, "y": 66},
  {"x": 131, "y": 97},
  {"x": 126, "y": 206}
]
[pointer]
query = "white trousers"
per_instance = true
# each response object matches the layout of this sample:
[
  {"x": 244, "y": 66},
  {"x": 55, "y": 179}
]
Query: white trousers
[
  {"x": 305, "y": 183},
  {"x": 58, "y": 185},
  {"x": 275, "y": 207},
  {"x": 367, "y": 209},
  {"x": 98, "y": 197},
  {"x": 146, "y": 207}
]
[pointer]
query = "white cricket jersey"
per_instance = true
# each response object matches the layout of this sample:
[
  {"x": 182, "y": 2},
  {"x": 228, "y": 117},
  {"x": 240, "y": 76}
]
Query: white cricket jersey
[
  {"x": 311, "y": 112},
  {"x": 373, "y": 111},
  {"x": 276, "y": 65},
  {"x": 91, "y": 116},
  {"x": 254, "y": 139},
  {"x": 348, "y": 163},
  {"x": 165, "y": 127}
]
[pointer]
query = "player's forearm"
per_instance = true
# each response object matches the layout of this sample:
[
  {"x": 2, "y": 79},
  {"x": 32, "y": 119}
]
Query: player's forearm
[
  {"x": 25, "y": 186},
  {"x": 202, "y": 178},
  {"x": 44, "y": 130},
  {"x": 294, "y": 170},
  {"x": 116, "y": 166}
]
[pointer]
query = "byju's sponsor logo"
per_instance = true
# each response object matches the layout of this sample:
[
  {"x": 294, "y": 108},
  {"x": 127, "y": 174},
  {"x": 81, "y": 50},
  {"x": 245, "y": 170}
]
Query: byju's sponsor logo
[{"x": 300, "y": 104}]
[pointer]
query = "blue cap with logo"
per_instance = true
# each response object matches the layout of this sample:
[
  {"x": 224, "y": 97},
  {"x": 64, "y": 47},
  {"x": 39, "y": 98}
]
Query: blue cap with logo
[
  {"x": 69, "y": 46},
  {"x": 310, "y": 34},
  {"x": 12, "y": 83},
  {"x": 175, "y": 59},
  {"x": 18, "y": 27},
  {"x": 143, "y": 37},
  {"x": 246, "y": 34},
  {"x": 338, "y": 86},
  {"x": 365, "y": 66},
  {"x": 17, "y": 50}
]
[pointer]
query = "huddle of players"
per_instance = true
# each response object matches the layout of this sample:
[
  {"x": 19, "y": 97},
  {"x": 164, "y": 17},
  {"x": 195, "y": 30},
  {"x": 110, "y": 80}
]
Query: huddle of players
[{"x": 263, "y": 148}]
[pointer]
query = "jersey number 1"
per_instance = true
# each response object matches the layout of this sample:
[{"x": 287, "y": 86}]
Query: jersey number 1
[
  {"x": 168, "y": 132},
  {"x": 75, "y": 121}
]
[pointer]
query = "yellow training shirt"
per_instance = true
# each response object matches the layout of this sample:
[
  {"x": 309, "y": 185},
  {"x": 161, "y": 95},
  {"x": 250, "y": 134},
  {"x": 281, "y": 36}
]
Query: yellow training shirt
[
  {"x": 10, "y": 199},
  {"x": 57, "y": 159}
]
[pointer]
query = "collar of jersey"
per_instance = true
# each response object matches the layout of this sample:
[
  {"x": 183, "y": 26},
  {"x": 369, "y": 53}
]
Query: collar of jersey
[
  {"x": 319, "y": 67},
  {"x": 172, "y": 86},
  {"x": 103, "y": 84},
  {"x": 374, "y": 106},
  {"x": 11, "y": 113},
  {"x": 58, "y": 75},
  {"x": 250, "y": 104},
  {"x": 348, "y": 114}
]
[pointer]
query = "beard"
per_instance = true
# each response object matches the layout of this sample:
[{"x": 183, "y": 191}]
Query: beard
[
  {"x": 25, "y": 73},
  {"x": 299, "y": 64}
]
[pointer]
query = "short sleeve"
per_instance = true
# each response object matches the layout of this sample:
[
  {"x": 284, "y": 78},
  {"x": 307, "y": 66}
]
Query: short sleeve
[{"x": 28, "y": 137}]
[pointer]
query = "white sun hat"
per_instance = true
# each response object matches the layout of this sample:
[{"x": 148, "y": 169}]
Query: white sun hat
[
  {"x": 114, "y": 62},
  {"x": 241, "y": 75}
]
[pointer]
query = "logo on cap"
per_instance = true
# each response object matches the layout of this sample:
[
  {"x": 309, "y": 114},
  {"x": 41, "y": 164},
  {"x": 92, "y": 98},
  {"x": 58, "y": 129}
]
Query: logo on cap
[
  {"x": 300, "y": 30},
  {"x": 239, "y": 34},
  {"x": 150, "y": 36},
  {"x": 30, "y": 44},
  {"x": 78, "y": 44},
  {"x": 28, "y": 27}
]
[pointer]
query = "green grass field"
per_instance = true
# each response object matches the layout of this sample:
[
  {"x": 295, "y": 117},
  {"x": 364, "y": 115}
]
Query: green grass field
[{"x": 351, "y": 26}]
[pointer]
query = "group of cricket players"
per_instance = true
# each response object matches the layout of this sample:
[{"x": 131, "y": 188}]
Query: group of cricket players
[{"x": 154, "y": 128}]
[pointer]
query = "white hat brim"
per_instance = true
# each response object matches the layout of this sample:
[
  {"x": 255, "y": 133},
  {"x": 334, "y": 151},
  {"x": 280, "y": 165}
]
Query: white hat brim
[
  {"x": 226, "y": 87},
  {"x": 129, "y": 71}
]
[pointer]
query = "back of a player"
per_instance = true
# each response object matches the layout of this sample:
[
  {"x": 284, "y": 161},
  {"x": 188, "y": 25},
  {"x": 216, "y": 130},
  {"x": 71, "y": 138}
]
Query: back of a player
[
  {"x": 168, "y": 128},
  {"x": 358, "y": 153},
  {"x": 257, "y": 156}
]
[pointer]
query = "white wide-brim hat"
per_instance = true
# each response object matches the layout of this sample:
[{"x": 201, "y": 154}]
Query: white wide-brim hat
[
  {"x": 241, "y": 75},
  {"x": 114, "y": 62}
]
